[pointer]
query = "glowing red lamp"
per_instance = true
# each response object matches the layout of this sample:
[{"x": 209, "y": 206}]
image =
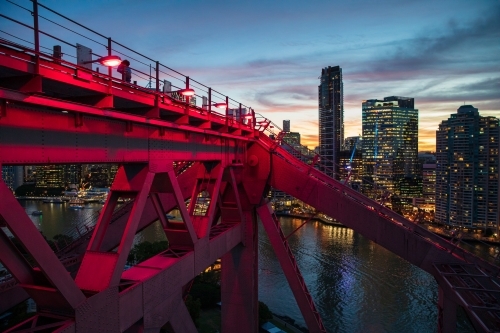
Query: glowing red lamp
[
  {"x": 110, "y": 61},
  {"x": 186, "y": 92},
  {"x": 220, "y": 105}
]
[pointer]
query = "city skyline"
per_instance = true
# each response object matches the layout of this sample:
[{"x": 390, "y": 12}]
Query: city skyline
[{"x": 268, "y": 55}]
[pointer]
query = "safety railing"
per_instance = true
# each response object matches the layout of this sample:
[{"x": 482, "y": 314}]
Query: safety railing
[
  {"x": 319, "y": 168},
  {"x": 44, "y": 33}
]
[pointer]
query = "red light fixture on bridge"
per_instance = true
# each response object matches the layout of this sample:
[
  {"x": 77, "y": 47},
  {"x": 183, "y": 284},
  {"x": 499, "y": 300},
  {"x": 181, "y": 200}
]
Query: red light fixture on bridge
[
  {"x": 187, "y": 92},
  {"x": 217, "y": 105},
  {"x": 220, "y": 105},
  {"x": 108, "y": 61}
]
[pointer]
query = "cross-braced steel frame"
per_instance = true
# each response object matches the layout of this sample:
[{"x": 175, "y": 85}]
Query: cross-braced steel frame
[{"x": 171, "y": 154}]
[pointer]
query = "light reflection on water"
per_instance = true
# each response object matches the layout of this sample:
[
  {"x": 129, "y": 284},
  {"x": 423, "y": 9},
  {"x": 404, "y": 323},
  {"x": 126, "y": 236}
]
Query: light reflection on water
[
  {"x": 357, "y": 285},
  {"x": 57, "y": 218}
]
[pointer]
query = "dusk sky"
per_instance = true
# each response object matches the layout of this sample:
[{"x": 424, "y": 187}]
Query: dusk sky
[{"x": 269, "y": 54}]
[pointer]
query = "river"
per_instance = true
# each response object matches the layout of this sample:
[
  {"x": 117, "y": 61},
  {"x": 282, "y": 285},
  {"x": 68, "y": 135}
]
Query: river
[{"x": 357, "y": 285}]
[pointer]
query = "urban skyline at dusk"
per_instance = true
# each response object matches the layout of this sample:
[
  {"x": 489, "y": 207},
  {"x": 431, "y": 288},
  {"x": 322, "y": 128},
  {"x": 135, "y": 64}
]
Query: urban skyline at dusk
[
  {"x": 146, "y": 183},
  {"x": 269, "y": 55}
]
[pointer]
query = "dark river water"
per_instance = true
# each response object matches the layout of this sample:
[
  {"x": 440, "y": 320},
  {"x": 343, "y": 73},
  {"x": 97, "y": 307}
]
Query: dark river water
[{"x": 357, "y": 285}]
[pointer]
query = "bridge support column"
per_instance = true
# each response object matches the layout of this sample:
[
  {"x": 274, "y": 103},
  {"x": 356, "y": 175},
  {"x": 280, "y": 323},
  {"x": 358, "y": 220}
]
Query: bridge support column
[
  {"x": 447, "y": 313},
  {"x": 240, "y": 306}
]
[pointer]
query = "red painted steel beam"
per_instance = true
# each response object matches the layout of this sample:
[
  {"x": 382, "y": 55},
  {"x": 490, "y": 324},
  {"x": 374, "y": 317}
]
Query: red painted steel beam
[
  {"x": 154, "y": 290},
  {"x": 398, "y": 235},
  {"x": 239, "y": 280},
  {"x": 409, "y": 241},
  {"x": 16, "y": 294},
  {"x": 36, "y": 136},
  {"x": 94, "y": 84},
  {"x": 157, "y": 282},
  {"x": 290, "y": 269},
  {"x": 61, "y": 290}
]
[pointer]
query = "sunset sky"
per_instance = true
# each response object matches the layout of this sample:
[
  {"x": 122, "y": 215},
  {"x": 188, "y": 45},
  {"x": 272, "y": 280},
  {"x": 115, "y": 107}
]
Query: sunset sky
[{"x": 269, "y": 54}]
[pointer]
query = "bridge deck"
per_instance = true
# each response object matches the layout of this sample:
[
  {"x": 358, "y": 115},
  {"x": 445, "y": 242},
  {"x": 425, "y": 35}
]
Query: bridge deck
[{"x": 56, "y": 112}]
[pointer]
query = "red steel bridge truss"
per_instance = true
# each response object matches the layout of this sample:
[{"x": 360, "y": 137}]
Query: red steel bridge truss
[{"x": 170, "y": 152}]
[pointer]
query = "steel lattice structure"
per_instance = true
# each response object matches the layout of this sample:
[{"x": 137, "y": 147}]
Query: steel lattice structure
[{"x": 171, "y": 151}]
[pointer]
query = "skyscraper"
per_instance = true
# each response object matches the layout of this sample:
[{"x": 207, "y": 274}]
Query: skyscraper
[
  {"x": 390, "y": 145},
  {"x": 331, "y": 119},
  {"x": 291, "y": 140},
  {"x": 467, "y": 170},
  {"x": 286, "y": 125}
]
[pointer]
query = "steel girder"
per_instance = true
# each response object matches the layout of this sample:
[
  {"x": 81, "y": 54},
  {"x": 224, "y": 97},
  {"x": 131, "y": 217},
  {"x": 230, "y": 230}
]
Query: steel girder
[
  {"x": 148, "y": 295},
  {"x": 392, "y": 231},
  {"x": 37, "y": 135},
  {"x": 71, "y": 84},
  {"x": 291, "y": 270},
  {"x": 13, "y": 294},
  {"x": 106, "y": 121}
]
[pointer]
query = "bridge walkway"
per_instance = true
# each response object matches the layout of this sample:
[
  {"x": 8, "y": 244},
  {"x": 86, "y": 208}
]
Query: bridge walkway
[{"x": 470, "y": 281}]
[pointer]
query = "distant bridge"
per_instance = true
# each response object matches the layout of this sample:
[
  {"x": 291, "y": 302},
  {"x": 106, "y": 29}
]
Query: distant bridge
[{"x": 57, "y": 112}]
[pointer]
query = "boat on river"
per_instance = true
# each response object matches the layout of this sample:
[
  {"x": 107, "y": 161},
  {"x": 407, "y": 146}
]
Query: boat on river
[
  {"x": 76, "y": 204},
  {"x": 36, "y": 213}
]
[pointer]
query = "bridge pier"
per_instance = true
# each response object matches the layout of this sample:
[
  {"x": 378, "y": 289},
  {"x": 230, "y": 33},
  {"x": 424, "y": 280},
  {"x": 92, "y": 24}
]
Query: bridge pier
[
  {"x": 447, "y": 313},
  {"x": 239, "y": 282}
]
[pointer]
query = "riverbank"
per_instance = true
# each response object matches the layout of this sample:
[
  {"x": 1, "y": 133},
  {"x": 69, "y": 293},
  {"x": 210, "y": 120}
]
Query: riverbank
[
  {"x": 443, "y": 232},
  {"x": 315, "y": 218}
]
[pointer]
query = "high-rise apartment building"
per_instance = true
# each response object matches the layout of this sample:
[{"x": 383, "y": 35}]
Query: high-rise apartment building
[
  {"x": 390, "y": 145},
  {"x": 331, "y": 119},
  {"x": 467, "y": 170}
]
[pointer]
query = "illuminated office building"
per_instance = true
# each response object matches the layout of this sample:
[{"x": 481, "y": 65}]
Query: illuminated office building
[
  {"x": 467, "y": 170},
  {"x": 390, "y": 146},
  {"x": 50, "y": 176},
  {"x": 409, "y": 189},
  {"x": 351, "y": 168},
  {"x": 57, "y": 176},
  {"x": 331, "y": 119}
]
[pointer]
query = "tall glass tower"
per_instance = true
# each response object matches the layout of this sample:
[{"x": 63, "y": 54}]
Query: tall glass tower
[
  {"x": 467, "y": 170},
  {"x": 390, "y": 146},
  {"x": 331, "y": 119}
]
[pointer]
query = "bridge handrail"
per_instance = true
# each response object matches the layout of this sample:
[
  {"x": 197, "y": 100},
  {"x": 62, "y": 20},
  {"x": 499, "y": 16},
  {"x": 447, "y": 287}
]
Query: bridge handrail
[
  {"x": 378, "y": 208},
  {"x": 109, "y": 46},
  {"x": 273, "y": 131}
]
